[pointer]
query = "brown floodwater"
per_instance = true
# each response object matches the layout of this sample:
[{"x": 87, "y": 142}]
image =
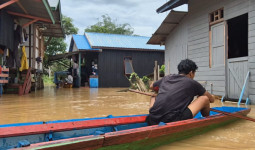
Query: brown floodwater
[{"x": 58, "y": 104}]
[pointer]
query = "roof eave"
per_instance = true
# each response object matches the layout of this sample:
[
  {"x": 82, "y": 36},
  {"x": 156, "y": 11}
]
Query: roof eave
[
  {"x": 161, "y": 34},
  {"x": 47, "y": 6},
  {"x": 123, "y": 48},
  {"x": 171, "y": 5}
]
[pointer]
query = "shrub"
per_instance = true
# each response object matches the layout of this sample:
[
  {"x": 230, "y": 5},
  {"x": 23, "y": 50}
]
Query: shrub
[{"x": 162, "y": 69}]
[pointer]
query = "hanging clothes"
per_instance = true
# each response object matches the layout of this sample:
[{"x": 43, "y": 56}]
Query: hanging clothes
[
  {"x": 17, "y": 41},
  {"x": 6, "y": 30},
  {"x": 10, "y": 59},
  {"x": 24, "y": 63}
]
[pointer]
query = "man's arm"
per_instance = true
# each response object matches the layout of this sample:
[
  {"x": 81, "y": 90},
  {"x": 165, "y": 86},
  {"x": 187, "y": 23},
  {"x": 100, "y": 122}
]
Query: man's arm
[
  {"x": 155, "y": 85},
  {"x": 151, "y": 85},
  {"x": 211, "y": 97}
]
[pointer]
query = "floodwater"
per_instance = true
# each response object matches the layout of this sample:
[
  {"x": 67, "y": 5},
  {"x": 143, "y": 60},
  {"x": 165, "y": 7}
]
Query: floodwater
[{"x": 64, "y": 103}]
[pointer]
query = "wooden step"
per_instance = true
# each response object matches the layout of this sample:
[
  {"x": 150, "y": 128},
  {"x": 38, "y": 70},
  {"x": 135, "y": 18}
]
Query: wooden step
[
  {"x": 3, "y": 81},
  {"x": 4, "y": 75},
  {"x": 13, "y": 85},
  {"x": 11, "y": 91}
]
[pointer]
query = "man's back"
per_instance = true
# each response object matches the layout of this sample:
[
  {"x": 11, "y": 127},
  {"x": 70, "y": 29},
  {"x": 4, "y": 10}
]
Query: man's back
[{"x": 175, "y": 94}]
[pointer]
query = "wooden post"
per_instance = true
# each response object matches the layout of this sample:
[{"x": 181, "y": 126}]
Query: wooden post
[
  {"x": 79, "y": 69},
  {"x": 168, "y": 67},
  {"x": 158, "y": 73},
  {"x": 30, "y": 51},
  {"x": 155, "y": 71},
  {"x": 49, "y": 72}
]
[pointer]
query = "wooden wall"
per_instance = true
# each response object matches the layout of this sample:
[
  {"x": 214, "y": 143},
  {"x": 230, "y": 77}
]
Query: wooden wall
[
  {"x": 176, "y": 48},
  {"x": 193, "y": 32},
  {"x": 111, "y": 65},
  {"x": 251, "y": 48}
]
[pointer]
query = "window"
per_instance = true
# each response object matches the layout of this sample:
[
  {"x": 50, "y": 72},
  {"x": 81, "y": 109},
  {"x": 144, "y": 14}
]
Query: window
[
  {"x": 128, "y": 67},
  {"x": 216, "y": 16}
]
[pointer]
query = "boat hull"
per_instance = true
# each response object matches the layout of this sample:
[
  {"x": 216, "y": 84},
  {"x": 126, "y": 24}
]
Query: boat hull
[{"x": 129, "y": 132}]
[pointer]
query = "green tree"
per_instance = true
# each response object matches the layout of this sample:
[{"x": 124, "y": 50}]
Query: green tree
[
  {"x": 107, "y": 25},
  {"x": 58, "y": 46},
  {"x": 68, "y": 26}
]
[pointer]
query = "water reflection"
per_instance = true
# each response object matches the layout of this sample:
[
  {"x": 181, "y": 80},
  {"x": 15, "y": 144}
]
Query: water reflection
[{"x": 65, "y": 103}]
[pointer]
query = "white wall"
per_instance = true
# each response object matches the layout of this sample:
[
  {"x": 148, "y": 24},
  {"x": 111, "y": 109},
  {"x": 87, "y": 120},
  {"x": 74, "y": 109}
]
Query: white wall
[
  {"x": 176, "y": 48},
  {"x": 193, "y": 33}
]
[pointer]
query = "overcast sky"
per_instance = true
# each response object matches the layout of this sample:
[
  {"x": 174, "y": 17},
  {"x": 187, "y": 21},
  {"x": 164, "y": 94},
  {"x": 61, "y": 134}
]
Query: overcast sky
[{"x": 140, "y": 14}]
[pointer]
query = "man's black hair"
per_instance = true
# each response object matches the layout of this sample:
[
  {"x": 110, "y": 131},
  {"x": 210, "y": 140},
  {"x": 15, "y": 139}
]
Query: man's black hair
[{"x": 187, "y": 65}]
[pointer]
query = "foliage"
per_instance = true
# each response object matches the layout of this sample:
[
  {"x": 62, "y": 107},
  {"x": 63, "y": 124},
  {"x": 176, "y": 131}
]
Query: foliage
[
  {"x": 107, "y": 25},
  {"x": 133, "y": 77},
  {"x": 145, "y": 79},
  {"x": 136, "y": 81},
  {"x": 68, "y": 26},
  {"x": 62, "y": 65},
  {"x": 48, "y": 80},
  {"x": 162, "y": 69},
  {"x": 58, "y": 45}
]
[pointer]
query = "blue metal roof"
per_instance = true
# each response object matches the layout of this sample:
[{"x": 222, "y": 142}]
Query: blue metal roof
[
  {"x": 81, "y": 43},
  {"x": 105, "y": 40}
]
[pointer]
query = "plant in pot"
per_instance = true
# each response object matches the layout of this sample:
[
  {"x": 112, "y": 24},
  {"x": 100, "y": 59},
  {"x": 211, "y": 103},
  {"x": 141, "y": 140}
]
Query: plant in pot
[{"x": 162, "y": 71}]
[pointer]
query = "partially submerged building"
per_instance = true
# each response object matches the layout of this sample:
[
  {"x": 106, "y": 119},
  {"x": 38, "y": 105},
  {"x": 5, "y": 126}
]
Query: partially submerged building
[
  {"x": 24, "y": 24},
  {"x": 115, "y": 55},
  {"x": 219, "y": 35}
]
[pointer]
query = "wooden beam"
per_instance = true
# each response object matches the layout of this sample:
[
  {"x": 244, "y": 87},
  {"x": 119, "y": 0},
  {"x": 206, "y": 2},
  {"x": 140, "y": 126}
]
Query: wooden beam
[
  {"x": 30, "y": 45},
  {"x": 27, "y": 24},
  {"x": 29, "y": 16},
  {"x": 21, "y": 6},
  {"x": 8, "y": 3},
  {"x": 233, "y": 115}
]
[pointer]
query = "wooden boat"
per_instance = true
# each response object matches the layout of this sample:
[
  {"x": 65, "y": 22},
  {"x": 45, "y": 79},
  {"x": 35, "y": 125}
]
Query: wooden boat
[{"x": 120, "y": 132}]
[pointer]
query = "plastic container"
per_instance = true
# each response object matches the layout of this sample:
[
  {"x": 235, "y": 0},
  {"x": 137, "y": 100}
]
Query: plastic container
[{"x": 93, "y": 82}]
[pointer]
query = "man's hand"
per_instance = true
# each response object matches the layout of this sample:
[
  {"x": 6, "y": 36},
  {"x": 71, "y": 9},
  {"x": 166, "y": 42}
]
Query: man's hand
[
  {"x": 151, "y": 85},
  {"x": 156, "y": 88},
  {"x": 211, "y": 97}
]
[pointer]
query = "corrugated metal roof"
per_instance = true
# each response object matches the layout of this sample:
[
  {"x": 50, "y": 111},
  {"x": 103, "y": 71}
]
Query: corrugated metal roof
[
  {"x": 33, "y": 8},
  {"x": 39, "y": 9},
  {"x": 55, "y": 30},
  {"x": 167, "y": 26},
  {"x": 171, "y": 5},
  {"x": 82, "y": 43},
  {"x": 53, "y": 3},
  {"x": 105, "y": 40}
]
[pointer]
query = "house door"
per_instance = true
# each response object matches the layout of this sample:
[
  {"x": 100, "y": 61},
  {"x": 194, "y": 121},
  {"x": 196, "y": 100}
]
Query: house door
[
  {"x": 237, "y": 66},
  {"x": 237, "y": 70},
  {"x": 217, "y": 45}
]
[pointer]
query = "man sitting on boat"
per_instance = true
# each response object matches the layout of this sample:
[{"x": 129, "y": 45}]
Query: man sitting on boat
[{"x": 174, "y": 101}]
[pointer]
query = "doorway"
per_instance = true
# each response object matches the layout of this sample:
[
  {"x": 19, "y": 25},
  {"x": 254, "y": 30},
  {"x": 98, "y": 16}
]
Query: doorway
[
  {"x": 237, "y": 67},
  {"x": 88, "y": 63}
]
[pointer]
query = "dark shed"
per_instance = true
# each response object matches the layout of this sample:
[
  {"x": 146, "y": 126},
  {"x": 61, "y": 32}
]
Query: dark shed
[{"x": 108, "y": 51}]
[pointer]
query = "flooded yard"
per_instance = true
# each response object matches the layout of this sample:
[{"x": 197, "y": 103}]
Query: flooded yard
[{"x": 58, "y": 104}]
